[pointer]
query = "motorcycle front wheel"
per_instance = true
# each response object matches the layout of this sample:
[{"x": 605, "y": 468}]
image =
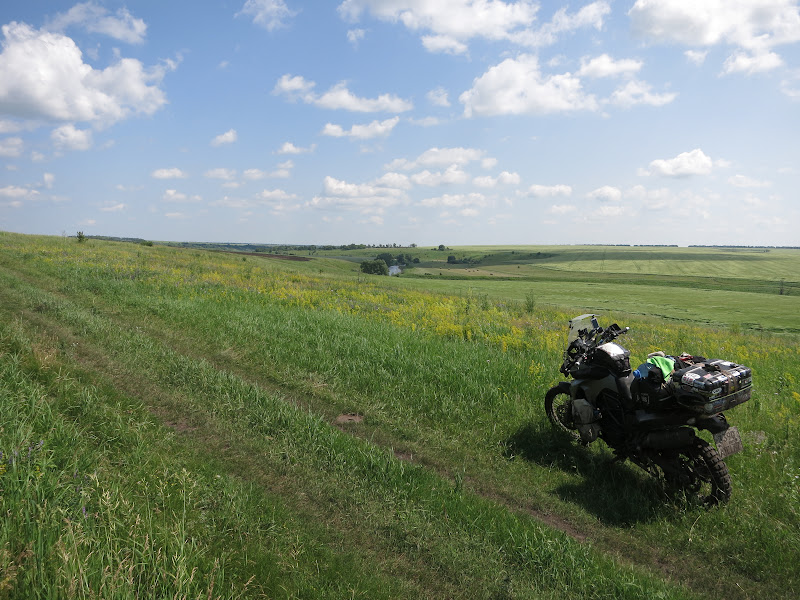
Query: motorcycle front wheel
[
  {"x": 558, "y": 406},
  {"x": 701, "y": 473}
]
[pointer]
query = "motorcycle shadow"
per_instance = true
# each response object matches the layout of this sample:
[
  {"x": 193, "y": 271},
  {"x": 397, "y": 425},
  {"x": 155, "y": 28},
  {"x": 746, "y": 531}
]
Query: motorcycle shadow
[{"x": 617, "y": 493}]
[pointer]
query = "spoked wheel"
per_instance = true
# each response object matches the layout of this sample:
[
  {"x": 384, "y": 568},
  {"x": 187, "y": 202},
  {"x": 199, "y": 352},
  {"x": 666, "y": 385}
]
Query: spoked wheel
[
  {"x": 558, "y": 405},
  {"x": 701, "y": 474}
]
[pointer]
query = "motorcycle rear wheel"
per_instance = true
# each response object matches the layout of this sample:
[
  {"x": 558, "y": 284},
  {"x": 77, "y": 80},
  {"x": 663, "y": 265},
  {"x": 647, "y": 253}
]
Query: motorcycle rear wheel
[
  {"x": 704, "y": 474},
  {"x": 558, "y": 406}
]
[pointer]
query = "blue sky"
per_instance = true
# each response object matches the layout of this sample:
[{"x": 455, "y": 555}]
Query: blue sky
[{"x": 403, "y": 121}]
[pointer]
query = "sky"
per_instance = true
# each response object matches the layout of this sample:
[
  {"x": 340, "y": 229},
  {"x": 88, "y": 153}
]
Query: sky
[{"x": 456, "y": 122}]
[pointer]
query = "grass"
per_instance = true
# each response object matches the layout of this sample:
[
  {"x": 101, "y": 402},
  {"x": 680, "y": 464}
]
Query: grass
[{"x": 196, "y": 396}]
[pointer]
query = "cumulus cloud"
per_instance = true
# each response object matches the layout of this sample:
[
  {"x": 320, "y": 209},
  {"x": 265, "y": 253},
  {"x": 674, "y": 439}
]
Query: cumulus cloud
[
  {"x": 750, "y": 63},
  {"x": 548, "y": 191},
  {"x": 685, "y": 164},
  {"x": 697, "y": 57},
  {"x": 14, "y": 191},
  {"x": 452, "y": 175},
  {"x": 113, "y": 207},
  {"x": 605, "y": 66},
  {"x": 438, "y": 157},
  {"x": 224, "y": 138},
  {"x": 362, "y": 132},
  {"x": 92, "y": 17},
  {"x": 367, "y": 198},
  {"x": 43, "y": 76},
  {"x": 753, "y": 27},
  {"x": 516, "y": 86},
  {"x": 69, "y": 137},
  {"x": 505, "y": 178},
  {"x": 338, "y": 97},
  {"x": 176, "y": 196},
  {"x": 449, "y": 26},
  {"x": 438, "y": 97},
  {"x": 269, "y": 14},
  {"x": 606, "y": 193},
  {"x": 171, "y": 173},
  {"x": 11, "y": 147},
  {"x": 638, "y": 92},
  {"x": 290, "y": 148}
]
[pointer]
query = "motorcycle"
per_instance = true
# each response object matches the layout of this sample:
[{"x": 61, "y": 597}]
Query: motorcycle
[{"x": 650, "y": 416}]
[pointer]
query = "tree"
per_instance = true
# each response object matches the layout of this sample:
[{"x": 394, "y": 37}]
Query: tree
[
  {"x": 387, "y": 258},
  {"x": 375, "y": 267},
  {"x": 81, "y": 237}
]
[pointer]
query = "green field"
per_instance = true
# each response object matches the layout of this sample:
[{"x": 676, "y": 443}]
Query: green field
[{"x": 180, "y": 423}]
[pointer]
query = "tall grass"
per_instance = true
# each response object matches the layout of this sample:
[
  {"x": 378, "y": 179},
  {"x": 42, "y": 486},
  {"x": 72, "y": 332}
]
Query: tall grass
[{"x": 439, "y": 483}]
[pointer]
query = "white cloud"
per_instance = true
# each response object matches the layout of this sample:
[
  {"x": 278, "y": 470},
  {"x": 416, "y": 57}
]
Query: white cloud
[
  {"x": 394, "y": 180},
  {"x": 338, "y": 97},
  {"x": 9, "y": 126},
  {"x": 362, "y": 132},
  {"x": 591, "y": 15},
  {"x": 443, "y": 44},
  {"x": 696, "y": 57},
  {"x": 269, "y": 14},
  {"x": 505, "y": 178},
  {"x": 43, "y": 76},
  {"x": 224, "y": 138},
  {"x": 744, "y": 62},
  {"x": 96, "y": 19},
  {"x": 284, "y": 169},
  {"x": 173, "y": 173},
  {"x": 743, "y": 181},
  {"x": 367, "y": 198},
  {"x": 68, "y": 137},
  {"x": 605, "y": 66},
  {"x": 176, "y": 196},
  {"x": 449, "y": 26},
  {"x": 606, "y": 193},
  {"x": 438, "y": 97},
  {"x": 355, "y": 35},
  {"x": 438, "y": 157},
  {"x": 254, "y": 174},
  {"x": 752, "y": 26},
  {"x": 516, "y": 86},
  {"x": 221, "y": 173},
  {"x": 562, "y": 209},
  {"x": 548, "y": 191},
  {"x": 276, "y": 195},
  {"x": 48, "y": 179},
  {"x": 113, "y": 207},
  {"x": 13, "y": 191},
  {"x": 11, "y": 147},
  {"x": 452, "y": 175},
  {"x": 638, "y": 92},
  {"x": 290, "y": 148},
  {"x": 685, "y": 164}
]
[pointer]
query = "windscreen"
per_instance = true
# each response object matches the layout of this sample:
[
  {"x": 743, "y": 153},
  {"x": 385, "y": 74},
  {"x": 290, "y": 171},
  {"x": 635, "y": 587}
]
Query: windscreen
[{"x": 584, "y": 322}]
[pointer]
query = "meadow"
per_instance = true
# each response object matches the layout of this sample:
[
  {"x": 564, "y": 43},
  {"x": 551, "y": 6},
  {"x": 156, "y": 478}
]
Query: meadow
[{"x": 182, "y": 423}]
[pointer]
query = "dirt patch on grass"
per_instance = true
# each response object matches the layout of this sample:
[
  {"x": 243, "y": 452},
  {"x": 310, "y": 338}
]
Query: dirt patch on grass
[{"x": 349, "y": 418}]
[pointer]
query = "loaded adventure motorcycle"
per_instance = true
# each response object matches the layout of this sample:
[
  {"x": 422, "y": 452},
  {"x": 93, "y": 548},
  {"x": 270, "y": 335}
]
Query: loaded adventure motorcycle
[{"x": 650, "y": 416}]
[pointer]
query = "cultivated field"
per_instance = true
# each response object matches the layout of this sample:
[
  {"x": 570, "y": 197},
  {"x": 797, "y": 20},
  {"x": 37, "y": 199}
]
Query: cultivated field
[{"x": 180, "y": 423}]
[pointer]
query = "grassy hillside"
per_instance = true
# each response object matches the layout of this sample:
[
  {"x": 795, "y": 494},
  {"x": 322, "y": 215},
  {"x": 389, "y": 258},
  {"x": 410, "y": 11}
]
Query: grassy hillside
[{"x": 180, "y": 423}]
